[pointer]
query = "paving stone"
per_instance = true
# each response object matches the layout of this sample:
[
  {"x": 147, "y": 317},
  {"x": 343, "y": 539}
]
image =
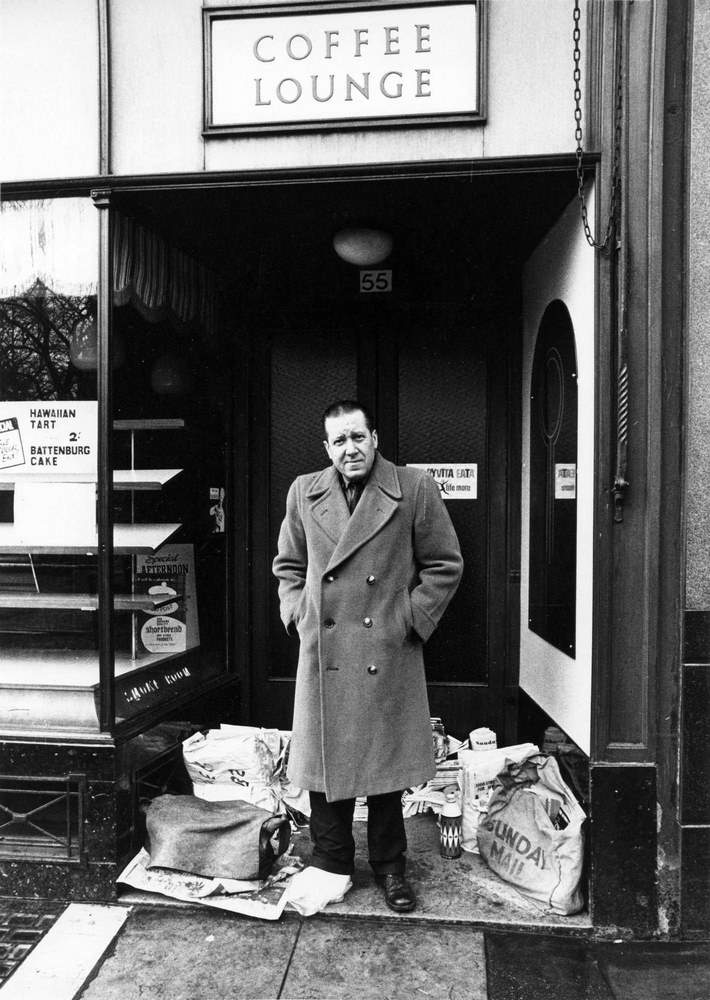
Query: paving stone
[
  {"x": 62, "y": 962},
  {"x": 357, "y": 960},
  {"x": 657, "y": 971},
  {"x": 195, "y": 954},
  {"x": 533, "y": 967}
]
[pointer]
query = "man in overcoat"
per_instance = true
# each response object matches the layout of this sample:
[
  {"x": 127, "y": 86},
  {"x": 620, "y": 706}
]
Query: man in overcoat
[{"x": 367, "y": 563}]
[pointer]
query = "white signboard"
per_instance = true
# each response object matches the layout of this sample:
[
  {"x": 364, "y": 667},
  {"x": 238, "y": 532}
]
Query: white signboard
[
  {"x": 565, "y": 481},
  {"x": 456, "y": 480},
  {"x": 57, "y": 437},
  {"x": 306, "y": 65}
]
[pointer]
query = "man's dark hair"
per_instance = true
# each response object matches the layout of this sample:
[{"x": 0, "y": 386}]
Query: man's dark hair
[{"x": 347, "y": 406}]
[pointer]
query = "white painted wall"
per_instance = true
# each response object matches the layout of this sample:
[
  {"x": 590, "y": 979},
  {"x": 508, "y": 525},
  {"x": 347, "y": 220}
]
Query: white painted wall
[
  {"x": 156, "y": 68},
  {"x": 49, "y": 91},
  {"x": 562, "y": 267},
  {"x": 49, "y": 94}
]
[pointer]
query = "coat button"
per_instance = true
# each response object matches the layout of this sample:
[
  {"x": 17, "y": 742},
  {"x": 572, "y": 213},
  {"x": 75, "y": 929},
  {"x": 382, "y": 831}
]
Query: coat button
[
  {"x": 372, "y": 669},
  {"x": 370, "y": 579},
  {"x": 329, "y": 623},
  {"x": 367, "y": 622},
  {"x": 330, "y": 578}
]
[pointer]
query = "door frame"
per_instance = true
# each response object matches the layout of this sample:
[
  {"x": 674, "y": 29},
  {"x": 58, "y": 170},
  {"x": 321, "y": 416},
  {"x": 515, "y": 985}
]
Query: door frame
[
  {"x": 244, "y": 428},
  {"x": 503, "y": 606}
]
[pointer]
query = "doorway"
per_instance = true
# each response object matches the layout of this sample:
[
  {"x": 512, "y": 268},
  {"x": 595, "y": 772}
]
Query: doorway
[
  {"x": 434, "y": 379},
  {"x": 437, "y": 359}
]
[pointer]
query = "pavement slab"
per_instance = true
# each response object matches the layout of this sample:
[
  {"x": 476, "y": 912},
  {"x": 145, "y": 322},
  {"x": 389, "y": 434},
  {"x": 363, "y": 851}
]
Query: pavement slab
[
  {"x": 195, "y": 954},
  {"x": 656, "y": 971},
  {"x": 534, "y": 967},
  {"x": 381, "y": 961},
  {"x": 66, "y": 956}
]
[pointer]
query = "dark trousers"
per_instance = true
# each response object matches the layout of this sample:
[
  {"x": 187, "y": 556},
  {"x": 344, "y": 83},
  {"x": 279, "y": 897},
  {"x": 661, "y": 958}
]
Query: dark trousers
[{"x": 332, "y": 834}]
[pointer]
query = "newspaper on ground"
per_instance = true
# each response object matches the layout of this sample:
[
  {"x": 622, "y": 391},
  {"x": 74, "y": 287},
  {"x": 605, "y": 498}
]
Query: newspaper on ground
[{"x": 263, "y": 899}]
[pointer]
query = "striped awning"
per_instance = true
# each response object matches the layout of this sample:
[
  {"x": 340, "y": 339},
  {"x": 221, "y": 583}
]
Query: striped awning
[{"x": 160, "y": 280}]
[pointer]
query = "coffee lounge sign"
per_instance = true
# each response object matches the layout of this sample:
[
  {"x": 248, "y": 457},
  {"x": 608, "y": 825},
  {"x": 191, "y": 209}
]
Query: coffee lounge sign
[{"x": 319, "y": 65}]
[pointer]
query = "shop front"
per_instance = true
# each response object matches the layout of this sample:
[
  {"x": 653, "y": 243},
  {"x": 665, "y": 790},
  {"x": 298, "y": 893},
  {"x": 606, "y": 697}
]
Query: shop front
[{"x": 195, "y": 276}]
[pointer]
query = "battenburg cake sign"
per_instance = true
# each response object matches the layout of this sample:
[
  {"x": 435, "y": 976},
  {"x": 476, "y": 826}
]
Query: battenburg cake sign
[{"x": 311, "y": 65}]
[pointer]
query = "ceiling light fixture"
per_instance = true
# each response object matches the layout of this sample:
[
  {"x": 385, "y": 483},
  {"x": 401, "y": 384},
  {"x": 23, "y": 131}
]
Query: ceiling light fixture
[{"x": 362, "y": 247}]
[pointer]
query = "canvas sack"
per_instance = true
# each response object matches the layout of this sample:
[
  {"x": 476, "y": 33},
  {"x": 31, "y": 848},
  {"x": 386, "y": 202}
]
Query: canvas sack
[
  {"x": 479, "y": 771},
  {"x": 215, "y": 839},
  {"x": 532, "y": 834}
]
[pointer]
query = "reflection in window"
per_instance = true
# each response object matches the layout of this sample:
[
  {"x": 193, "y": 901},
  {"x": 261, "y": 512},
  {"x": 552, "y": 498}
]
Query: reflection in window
[
  {"x": 48, "y": 431},
  {"x": 41, "y": 335},
  {"x": 553, "y": 481}
]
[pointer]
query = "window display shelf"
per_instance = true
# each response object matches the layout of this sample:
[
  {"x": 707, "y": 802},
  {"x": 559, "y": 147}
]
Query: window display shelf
[
  {"x": 143, "y": 479},
  {"x": 82, "y": 602},
  {"x": 55, "y": 690},
  {"x": 150, "y": 424},
  {"x": 123, "y": 479},
  {"x": 57, "y": 668},
  {"x": 128, "y": 539}
]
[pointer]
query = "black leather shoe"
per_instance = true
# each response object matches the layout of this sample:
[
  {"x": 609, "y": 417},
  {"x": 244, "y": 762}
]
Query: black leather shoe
[{"x": 398, "y": 893}]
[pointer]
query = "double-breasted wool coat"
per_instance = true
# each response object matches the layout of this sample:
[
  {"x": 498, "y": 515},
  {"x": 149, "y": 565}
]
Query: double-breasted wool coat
[{"x": 365, "y": 592}]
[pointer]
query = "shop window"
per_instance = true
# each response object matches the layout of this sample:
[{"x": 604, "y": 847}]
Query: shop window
[
  {"x": 170, "y": 468},
  {"x": 169, "y": 483},
  {"x": 48, "y": 463},
  {"x": 172, "y": 395},
  {"x": 553, "y": 481}
]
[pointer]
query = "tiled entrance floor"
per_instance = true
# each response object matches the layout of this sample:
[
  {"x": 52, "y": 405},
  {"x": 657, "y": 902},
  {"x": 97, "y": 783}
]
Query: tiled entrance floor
[{"x": 461, "y": 891}]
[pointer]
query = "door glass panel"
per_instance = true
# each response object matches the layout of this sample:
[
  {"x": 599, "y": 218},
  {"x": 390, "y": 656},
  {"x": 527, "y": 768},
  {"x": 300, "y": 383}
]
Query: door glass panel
[
  {"x": 171, "y": 510},
  {"x": 553, "y": 481},
  {"x": 443, "y": 420},
  {"x": 309, "y": 370}
]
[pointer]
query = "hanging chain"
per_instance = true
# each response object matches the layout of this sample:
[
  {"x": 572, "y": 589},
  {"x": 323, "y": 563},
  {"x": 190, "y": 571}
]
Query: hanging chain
[{"x": 604, "y": 246}]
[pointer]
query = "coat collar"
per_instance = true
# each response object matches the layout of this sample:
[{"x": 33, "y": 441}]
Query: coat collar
[
  {"x": 376, "y": 506},
  {"x": 382, "y": 474}
]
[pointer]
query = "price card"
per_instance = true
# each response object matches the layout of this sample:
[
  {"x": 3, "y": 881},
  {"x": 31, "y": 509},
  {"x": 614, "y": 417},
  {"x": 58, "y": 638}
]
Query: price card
[
  {"x": 56, "y": 437},
  {"x": 11, "y": 452}
]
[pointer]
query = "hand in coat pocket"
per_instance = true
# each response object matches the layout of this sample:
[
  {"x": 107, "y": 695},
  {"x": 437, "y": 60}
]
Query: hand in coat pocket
[
  {"x": 405, "y": 604},
  {"x": 299, "y": 612}
]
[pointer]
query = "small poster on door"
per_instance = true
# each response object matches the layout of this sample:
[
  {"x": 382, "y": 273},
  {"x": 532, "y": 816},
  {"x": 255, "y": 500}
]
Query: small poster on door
[
  {"x": 167, "y": 580},
  {"x": 217, "y": 512},
  {"x": 565, "y": 481},
  {"x": 456, "y": 480}
]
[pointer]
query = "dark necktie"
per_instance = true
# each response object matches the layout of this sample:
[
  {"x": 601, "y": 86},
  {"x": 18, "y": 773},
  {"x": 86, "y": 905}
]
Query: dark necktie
[{"x": 352, "y": 495}]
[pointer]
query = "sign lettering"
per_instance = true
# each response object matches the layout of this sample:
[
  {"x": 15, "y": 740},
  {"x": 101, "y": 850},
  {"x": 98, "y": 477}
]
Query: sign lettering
[
  {"x": 456, "y": 480},
  {"x": 309, "y": 67}
]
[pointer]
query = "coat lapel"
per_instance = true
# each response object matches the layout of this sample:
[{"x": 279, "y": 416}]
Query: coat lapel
[
  {"x": 377, "y": 504},
  {"x": 328, "y": 506}
]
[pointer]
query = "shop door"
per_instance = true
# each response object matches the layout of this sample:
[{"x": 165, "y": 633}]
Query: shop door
[{"x": 439, "y": 384}]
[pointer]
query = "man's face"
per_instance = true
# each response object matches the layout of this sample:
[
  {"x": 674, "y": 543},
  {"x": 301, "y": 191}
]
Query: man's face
[{"x": 351, "y": 446}]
